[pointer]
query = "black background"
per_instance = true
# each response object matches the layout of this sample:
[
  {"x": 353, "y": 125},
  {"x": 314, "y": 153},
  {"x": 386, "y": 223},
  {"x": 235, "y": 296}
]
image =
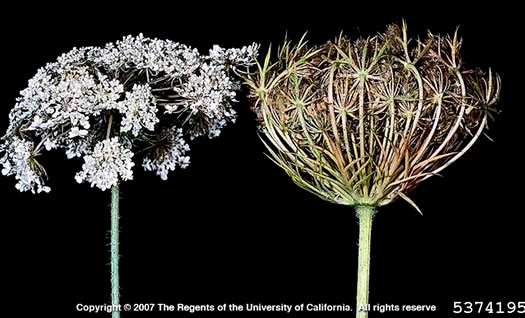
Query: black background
[{"x": 232, "y": 227}]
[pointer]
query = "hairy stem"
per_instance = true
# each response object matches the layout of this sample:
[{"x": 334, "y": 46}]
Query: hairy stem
[
  {"x": 365, "y": 214},
  {"x": 115, "y": 296}
]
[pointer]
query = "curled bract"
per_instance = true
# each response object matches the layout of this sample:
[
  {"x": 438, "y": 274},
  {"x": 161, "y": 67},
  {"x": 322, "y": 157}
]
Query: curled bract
[{"x": 363, "y": 122}]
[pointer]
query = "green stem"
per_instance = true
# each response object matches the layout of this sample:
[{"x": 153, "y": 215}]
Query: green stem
[
  {"x": 365, "y": 214},
  {"x": 115, "y": 296}
]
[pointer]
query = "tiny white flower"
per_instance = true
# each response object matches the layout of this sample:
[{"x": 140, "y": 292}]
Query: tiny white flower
[
  {"x": 76, "y": 132},
  {"x": 37, "y": 122}
]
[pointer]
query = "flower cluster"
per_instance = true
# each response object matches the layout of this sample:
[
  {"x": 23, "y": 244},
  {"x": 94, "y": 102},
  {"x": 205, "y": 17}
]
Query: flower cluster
[
  {"x": 109, "y": 162},
  {"x": 171, "y": 155},
  {"x": 18, "y": 160},
  {"x": 139, "y": 109},
  {"x": 105, "y": 103}
]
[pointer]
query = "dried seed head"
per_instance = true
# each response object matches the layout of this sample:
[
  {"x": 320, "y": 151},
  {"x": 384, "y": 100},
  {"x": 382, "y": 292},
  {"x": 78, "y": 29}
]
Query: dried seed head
[{"x": 368, "y": 120}]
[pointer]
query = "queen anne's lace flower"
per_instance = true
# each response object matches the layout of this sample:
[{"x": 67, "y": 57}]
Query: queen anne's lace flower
[
  {"x": 209, "y": 92},
  {"x": 147, "y": 94},
  {"x": 171, "y": 156},
  {"x": 139, "y": 110},
  {"x": 109, "y": 162},
  {"x": 18, "y": 161}
]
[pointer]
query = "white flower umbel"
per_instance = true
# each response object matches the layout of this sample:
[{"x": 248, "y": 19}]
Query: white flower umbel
[
  {"x": 18, "y": 161},
  {"x": 109, "y": 163},
  {"x": 139, "y": 110},
  {"x": 171, "y": 154},
  {"x": 147, "y": 95}
]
